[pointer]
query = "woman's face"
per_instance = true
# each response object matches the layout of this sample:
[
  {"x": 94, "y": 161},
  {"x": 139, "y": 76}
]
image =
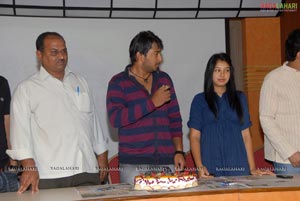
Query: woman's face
[{"x": 221, "y": 75}]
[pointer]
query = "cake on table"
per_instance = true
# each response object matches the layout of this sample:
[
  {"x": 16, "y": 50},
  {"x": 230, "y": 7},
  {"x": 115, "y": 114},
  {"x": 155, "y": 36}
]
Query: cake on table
[{"x": 163, "y": 181}]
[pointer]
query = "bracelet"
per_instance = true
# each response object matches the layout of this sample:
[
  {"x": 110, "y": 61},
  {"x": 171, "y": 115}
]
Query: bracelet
[{"x": 179, "y": 152}]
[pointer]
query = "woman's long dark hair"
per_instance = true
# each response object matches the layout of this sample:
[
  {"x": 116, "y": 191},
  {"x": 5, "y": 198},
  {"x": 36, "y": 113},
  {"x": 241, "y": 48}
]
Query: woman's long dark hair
[{"x": 209, "y": 91}]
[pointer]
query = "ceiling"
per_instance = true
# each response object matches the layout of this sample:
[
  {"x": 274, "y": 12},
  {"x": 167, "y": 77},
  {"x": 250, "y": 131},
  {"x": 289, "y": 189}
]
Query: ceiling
[{"x": 138, "y": 9}]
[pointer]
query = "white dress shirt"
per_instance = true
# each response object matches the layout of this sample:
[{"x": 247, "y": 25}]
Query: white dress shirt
[
  {"x": 279, "y": 110},
  {"x": 55, "y": 123}
]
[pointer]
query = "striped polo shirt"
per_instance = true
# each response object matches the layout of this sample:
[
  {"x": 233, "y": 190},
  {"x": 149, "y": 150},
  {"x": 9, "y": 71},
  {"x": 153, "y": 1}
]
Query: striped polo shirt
[{"x": 145, "y": 132}]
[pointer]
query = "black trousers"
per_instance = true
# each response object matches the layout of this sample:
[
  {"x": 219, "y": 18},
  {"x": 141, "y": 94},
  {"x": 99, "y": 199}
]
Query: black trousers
[{"x": 82, "y": 179}]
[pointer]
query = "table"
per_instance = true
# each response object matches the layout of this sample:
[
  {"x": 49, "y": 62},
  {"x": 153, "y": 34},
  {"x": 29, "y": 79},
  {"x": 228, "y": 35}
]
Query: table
[{"x": 244, "y": 188}]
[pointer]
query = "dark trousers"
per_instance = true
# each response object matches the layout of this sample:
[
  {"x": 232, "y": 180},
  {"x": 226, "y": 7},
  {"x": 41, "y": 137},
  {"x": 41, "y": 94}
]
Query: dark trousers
[
  {"x": 82, "y": 179},
  {"x": 8, "y": 182}
]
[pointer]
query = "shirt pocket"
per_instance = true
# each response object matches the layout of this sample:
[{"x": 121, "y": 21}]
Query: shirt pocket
[{"x": 83, "y": 102}]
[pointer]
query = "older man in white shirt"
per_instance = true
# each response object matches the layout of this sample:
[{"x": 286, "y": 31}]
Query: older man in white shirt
[{"x": 55, "y": 132}]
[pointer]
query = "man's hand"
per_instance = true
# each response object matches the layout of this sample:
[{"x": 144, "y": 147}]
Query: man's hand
[
  {"x": 295, "y": 159},
  {"x": 161, "y": 96},
  {"x": 30, "y": 176},
  {"x": 13, "y": 162},
  {"x": 103, "y": 166},
  {"x": 179, "y": 162}
]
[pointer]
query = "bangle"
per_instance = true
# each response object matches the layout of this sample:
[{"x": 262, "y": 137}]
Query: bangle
[{"x": 179, "y": 152}]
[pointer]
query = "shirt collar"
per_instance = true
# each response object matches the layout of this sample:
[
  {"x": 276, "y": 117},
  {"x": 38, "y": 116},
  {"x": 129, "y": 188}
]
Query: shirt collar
[
  {"x": 126, "y": 71},
  {"x": 43, "y": 74},
  {"x": 223, "y": 95},
  {"x": 290, "y": 69}
]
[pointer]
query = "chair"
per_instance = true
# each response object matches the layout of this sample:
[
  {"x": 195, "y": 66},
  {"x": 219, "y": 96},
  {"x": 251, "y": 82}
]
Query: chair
[
  {"x": 114, "y": 172},
  {"x": 260, "y": 161},
  {"x": 189, "y": 163}
]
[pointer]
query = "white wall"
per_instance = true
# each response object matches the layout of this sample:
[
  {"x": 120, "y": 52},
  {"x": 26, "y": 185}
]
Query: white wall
[{"x": 98, "y": 49}]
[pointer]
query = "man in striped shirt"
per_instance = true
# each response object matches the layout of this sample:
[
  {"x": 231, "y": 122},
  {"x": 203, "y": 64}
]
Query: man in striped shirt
[
  {"x": 279, "y": 110},
  {"x": 142, "y": 104}
]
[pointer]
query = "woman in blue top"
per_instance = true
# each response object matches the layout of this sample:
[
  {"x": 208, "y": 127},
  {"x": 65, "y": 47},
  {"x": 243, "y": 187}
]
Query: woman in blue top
[{"x": 219, "y": 124}]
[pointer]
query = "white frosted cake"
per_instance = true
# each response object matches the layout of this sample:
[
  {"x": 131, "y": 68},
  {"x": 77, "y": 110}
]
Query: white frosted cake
[{"x": 161, "y": 181}]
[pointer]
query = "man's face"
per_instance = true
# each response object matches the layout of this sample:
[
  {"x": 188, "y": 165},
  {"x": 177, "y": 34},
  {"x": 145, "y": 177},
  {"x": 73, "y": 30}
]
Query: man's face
[
  {"x": 54, "y": 56},
  {"x": 153, "y": 58}
]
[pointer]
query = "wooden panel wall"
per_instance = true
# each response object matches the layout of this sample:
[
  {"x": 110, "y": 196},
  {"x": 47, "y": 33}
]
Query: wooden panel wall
[
  {"x": 261, "y": 53},
  {"x": 263, "y": 50}
]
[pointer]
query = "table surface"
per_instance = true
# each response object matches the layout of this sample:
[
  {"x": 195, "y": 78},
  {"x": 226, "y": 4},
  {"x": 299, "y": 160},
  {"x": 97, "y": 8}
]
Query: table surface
[{"x": 220, "y": 185}]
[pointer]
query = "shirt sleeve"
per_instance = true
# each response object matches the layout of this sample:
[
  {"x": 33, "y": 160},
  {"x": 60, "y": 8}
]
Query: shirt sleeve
[
  {"x": 195, "y": 119},
  {"x": 267, "y": 113},
  {"x": 100, "y": 141},
  {"x": 20, "y": 131},
  {"x": 174, "y": 112}
]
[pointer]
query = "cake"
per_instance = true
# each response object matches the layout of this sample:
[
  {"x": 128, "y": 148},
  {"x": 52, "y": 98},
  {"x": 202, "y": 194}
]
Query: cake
[{"x": 162, "y": 181}]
